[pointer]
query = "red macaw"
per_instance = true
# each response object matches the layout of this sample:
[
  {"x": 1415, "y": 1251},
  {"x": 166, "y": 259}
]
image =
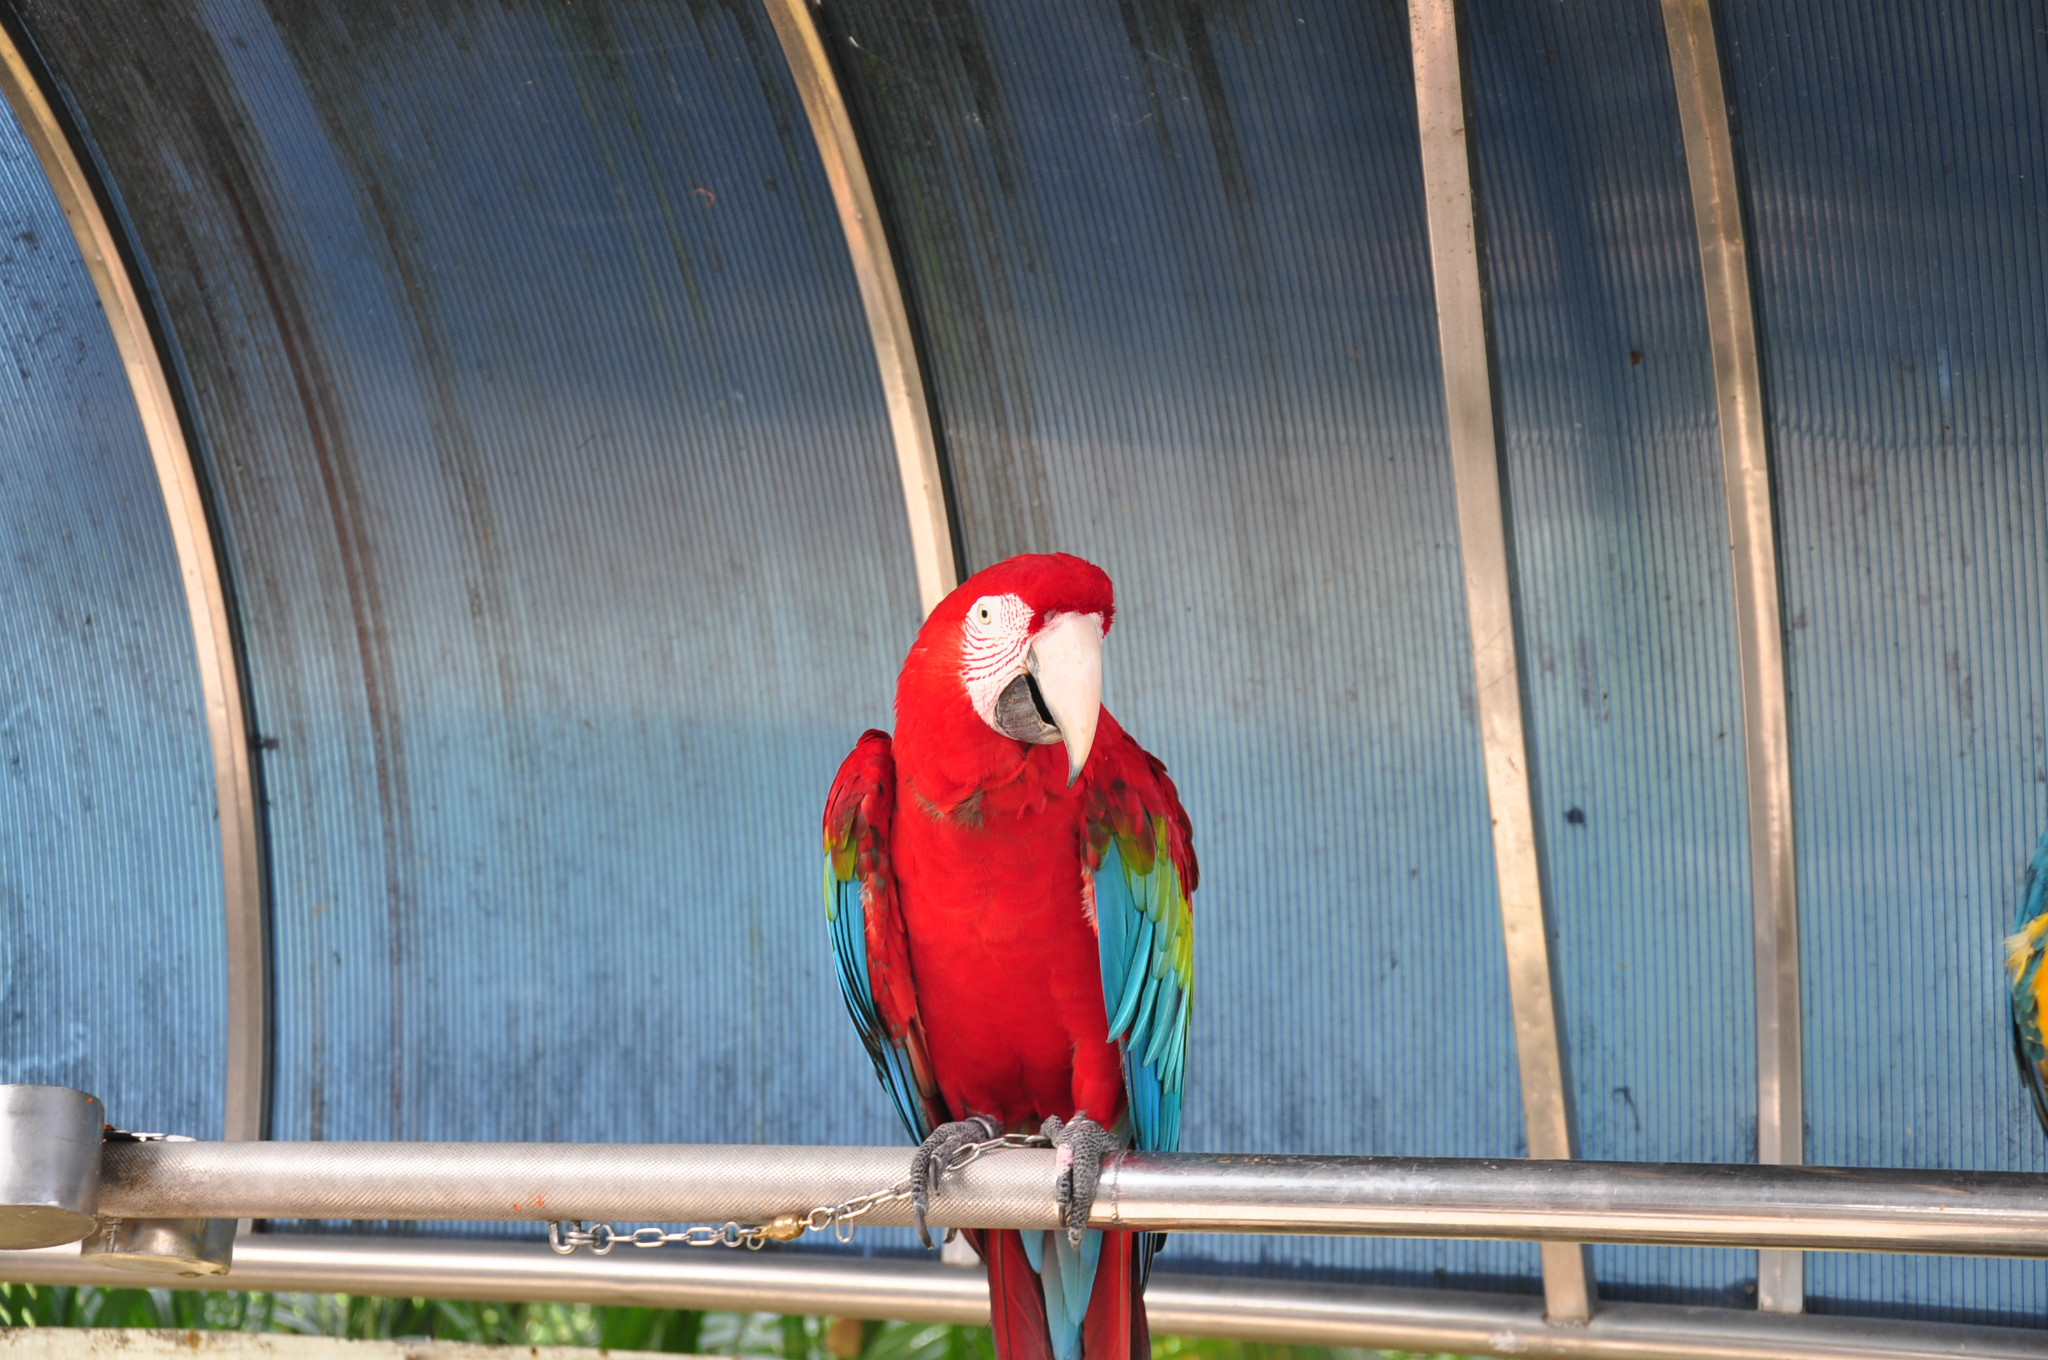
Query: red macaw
[{"x": 1008, "y": 888}]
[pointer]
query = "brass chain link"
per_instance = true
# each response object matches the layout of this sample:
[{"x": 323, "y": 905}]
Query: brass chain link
[{"x": 841, "y": 1218}]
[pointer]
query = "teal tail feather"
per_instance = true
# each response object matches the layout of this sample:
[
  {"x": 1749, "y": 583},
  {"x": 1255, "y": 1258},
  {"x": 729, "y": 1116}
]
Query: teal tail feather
[{"x": 1051, "y": 1301}]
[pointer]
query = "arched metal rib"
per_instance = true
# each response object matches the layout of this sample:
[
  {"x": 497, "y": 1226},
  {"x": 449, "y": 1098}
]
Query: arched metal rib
[
  {"x": 1455, "y": 258},
  {"x": 1752, "y": 538},
  {"x": 206, "y": 601},
  {"x": 881, "y": 295}
]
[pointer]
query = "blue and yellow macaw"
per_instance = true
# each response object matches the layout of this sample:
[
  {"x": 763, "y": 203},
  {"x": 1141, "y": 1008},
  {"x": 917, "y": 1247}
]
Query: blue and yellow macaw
[{"x": 2024, "y": 950}]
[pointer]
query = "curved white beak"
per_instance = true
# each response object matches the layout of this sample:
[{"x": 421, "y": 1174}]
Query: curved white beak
[{"x": 1065, "y": 661}]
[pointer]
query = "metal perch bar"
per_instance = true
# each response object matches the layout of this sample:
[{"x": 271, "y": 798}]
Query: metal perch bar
[
  {"x": 1298, "y": 1312},
  {"x": 1953, "y": 1212}
]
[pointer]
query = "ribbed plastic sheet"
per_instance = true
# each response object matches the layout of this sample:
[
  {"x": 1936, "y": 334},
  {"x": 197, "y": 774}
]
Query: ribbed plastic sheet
[
  {"x": 527, "y": 358},
  {"x": 1896, "y": 160},
  {"x": 111, "y": 917},
  {"x": 1173, "y": 270},
  {"x": 524, "y": 357},
  {"x": 1621, "y": 537}
]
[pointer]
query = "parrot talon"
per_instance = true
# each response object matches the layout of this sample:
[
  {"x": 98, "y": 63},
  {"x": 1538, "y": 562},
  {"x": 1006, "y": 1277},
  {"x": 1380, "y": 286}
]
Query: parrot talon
[
  {"x": 935, "y": 1154},
  {"x": 1082, "y": 1144}
]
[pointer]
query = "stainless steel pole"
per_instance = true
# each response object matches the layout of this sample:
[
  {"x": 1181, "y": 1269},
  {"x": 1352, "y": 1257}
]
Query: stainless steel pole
[
  {"x": 1287, "y": 1311},
  {"x": 1969, "y": 1213}
]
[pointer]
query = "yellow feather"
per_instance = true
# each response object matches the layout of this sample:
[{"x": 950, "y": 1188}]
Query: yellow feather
[{"x": 2020, "y": 945}]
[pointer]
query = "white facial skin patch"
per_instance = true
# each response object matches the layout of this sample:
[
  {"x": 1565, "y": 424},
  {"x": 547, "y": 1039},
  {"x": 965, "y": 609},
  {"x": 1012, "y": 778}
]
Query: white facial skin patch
[
  {"x": 992, "y": 647},
  {"x": 1063, "y": 659}
]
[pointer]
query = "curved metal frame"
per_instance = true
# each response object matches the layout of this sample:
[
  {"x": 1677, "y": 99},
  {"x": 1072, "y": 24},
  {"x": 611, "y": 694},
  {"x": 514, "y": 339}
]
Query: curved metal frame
[
  {"x": 881, "y": 295},
  {"x": 248, "y": 992},
  {"x": 1759, "y": 635},
  {"x": 1443, "y": 120}
]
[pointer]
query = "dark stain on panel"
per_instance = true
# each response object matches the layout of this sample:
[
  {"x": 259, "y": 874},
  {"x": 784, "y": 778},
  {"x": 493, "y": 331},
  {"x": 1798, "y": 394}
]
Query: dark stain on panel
[
  {"x": 365, "y": 601},
  {"x": 928, "y": 96},
  {"x": 329, "y": 57},
  {"x": 165, "y": 123}
]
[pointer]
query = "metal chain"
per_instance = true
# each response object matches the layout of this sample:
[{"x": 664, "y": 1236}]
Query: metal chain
[{"x": 841, "y": 1218}]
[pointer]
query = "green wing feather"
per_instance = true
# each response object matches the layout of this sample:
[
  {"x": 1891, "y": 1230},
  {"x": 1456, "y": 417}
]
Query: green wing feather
[{"x": 1143, "y": 872}]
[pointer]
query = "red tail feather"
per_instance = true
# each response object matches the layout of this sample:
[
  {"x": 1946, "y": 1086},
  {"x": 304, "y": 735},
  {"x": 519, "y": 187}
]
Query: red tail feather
[
  {"x": 1016, "y": 1307},
  {"x": 1115, "y": 1327}
]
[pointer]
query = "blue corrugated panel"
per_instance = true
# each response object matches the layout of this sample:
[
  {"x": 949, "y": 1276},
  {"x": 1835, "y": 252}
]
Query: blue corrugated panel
[
  {"x": 112, "y": 934},
  {"x": 1607, "y": 390},
  {"x": 1173, "y": 266},
  {"x": 1896, "y": 162},
  {"x": 524, "y": 355},
  {"x": 527, "y": 356}
]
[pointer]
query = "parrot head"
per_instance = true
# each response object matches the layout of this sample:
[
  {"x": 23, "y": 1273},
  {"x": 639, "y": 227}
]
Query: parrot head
[{"x": 1009, "y": 661}]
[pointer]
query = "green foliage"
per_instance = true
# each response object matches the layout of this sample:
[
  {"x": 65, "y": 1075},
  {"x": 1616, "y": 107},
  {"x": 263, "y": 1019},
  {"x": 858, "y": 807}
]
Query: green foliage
[
  {"x": 617, "y": 1328},
  {"x": 343, "y": 1315}
]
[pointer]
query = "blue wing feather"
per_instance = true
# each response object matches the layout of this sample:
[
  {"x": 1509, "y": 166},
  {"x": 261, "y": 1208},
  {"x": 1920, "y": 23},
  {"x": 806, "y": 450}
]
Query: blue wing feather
[
  {"x": 844, "y": 909},
  {"x": 1132, "y": 961}
]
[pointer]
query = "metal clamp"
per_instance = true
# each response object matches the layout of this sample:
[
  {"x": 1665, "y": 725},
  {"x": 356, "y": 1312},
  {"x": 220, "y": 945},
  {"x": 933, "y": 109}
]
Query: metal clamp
[
  {"x": 188, "y": 1247},
  {"x": 49, "y": 1165}
]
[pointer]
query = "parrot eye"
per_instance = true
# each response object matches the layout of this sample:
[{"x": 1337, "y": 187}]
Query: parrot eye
[{"x": 996, "y": 614}]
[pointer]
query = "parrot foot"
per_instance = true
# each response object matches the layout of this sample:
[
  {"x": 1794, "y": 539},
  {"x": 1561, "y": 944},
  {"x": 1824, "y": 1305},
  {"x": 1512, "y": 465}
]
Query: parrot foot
[
  {"x": 935, "y": 1154},
  {"x": 1082, "y": 1144}
]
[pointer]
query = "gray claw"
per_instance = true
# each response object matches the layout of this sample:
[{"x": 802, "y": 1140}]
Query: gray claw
[
  {"x": 1082, "y": 1144},
  {"x": 934, "y": 1155}
]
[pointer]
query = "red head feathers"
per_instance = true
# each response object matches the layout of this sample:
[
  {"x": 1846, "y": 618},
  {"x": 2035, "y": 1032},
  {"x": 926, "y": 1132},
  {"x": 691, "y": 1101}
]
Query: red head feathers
[{"x": 1009, "y": 663}]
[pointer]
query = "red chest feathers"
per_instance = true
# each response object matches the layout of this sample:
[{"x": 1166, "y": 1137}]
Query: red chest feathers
[{"x": 1004, "y": 957}]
